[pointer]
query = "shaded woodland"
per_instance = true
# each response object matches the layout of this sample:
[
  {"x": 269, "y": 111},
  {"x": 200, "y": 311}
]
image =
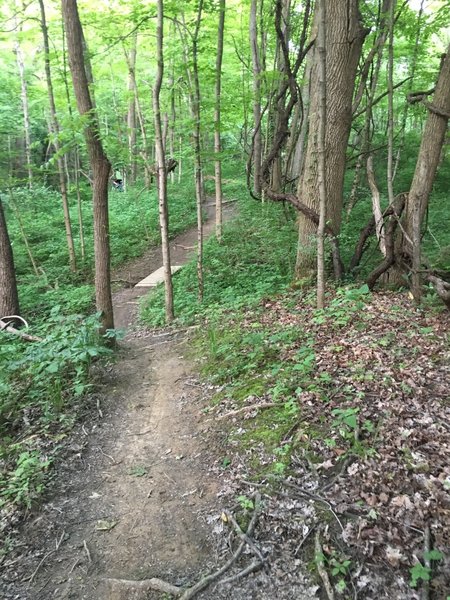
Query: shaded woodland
[{"x": 325, "y": 125}]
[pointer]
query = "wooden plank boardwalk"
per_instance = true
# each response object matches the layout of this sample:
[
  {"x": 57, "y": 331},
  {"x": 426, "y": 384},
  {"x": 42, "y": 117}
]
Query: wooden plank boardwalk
[{"x": 156, "y": 277}]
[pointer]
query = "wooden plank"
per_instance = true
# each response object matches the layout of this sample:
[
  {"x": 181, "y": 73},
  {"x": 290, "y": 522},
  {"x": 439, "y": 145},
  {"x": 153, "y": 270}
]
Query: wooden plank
[{"x": 156, "y": 277}]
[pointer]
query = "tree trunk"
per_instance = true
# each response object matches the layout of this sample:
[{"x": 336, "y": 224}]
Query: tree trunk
[
  {"x": 99, "y": 163},
  {"x": 426, "y": 168},
  {"x": 257, "y": 134},
  {"x": 9, "y": 298},
  {"x": 322, "y": 105},
  {"x": 25, "y": 109},
  {"x": 344, "y": 39},
  {"x": 217, "y": 142},
  {"x": 54, "y": 128},
  {"x": 131, "y": 114},
  {"x": 161, "y": 166}
]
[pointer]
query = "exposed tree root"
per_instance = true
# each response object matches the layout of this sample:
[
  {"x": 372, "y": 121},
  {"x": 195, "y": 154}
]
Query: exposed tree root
[{"x": 159, "y": 585}]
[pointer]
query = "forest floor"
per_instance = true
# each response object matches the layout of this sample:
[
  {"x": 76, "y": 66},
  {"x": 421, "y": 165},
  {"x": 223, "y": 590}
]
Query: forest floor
[
  {"x": 339, "y": 472},
  {"x": 137, "y": 494}
]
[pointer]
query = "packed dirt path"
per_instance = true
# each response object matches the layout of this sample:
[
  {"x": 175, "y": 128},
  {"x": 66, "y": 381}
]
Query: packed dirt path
[{"x": 132, "y": 499}]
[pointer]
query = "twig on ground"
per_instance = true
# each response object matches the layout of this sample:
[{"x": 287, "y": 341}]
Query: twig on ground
[
  {"x": 89, "y": 557},
  {"x": 33, "y": 575},
  {"x": 307, "y": 494},
  {"x": 247, "y": 408},
  {"x": 151, "y": 430},
  {"x": 320, "y": 568},
  {"x": 100, "y": 413},
  {"x": 108, "y": 456},
  {"x": 305, "y": 537},
  {"x": 244, "y": 537},
  {"x": 253, "y": 566}
]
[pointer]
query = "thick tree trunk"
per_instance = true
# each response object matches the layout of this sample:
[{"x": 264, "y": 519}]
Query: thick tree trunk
[
  {"x": 99, "y": 163},
  {"x": 426, "y": 168},
  {"x": 322, "y": 105},
  {"x": 9, "y": 298},
  {"x": 54, "y": 127},
  {"x": 344, "y": 39},
  {"x": 217, "y": 141},
  {"x": 161, "y": 166}
]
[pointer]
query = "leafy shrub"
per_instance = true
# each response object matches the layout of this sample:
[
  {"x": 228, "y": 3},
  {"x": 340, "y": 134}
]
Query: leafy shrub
[{"x": 39, "y": 382}]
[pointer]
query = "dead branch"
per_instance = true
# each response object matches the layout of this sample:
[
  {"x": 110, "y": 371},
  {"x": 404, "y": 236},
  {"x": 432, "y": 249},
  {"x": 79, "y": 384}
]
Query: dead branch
[
  {"x": 244, "y": 537},
  {"x": 206, "y": 581},
  {"x": 5, "y": 326},
  {"x": 253, "y": 566},
  {"x": 320, "y": 567},
  {"x": 232, "y": 413}
]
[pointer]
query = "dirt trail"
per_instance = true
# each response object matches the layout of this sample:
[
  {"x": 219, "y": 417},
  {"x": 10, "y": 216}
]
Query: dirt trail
[{"x": 131, "y": 501}]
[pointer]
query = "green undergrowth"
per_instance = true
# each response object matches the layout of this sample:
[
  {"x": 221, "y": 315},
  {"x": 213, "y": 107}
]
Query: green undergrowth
[
  {"x": 268, "y": 354},
  {"x": 255, "y": 258},
  {"x": 134, "y": 227},
  {"x": 43, "y": 384}
]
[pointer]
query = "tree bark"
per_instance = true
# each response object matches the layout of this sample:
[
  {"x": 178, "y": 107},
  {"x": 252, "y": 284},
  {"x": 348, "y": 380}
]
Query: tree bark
[
  {"x": 99, "y": 163},
  {"x": 344, "y": 39},
  {"x": 131, "y": 114},
  {"x": 9, "y": 297},
  {"x": 426, "y": 168},
  {"x": 257, "y": 134},
  {"x": 54, "y": 128},
  {"x": 321, "y": 48},
  {"x": 25, "y": 108},
  {"x": 161, "y": 166},
  {"x": 217, "y": 141}
]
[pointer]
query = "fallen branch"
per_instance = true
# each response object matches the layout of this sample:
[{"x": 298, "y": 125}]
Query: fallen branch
[
  {"x": 5, "y": 326},
  {"x": 320, "y": 567},
  {"x": 248, "y": 408},
  {"x": 253, "y": 566},
  {"x": 206, "y": 581}
]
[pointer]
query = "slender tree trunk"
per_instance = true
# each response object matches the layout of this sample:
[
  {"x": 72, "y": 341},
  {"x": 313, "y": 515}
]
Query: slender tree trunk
[
  {"x": 76, "y": 170},
  {"x": 217, "y": 141},
  {"x": 25, "y": 109},
  {"x": 23, "y": 233},
  {"x": 79, "y": 203},
  {"x": 257, "y": 133},
  {"x": 9, "y": 298},
  {"x": 197, "y": 149},
  {"x": 390, "y": 161},
  {"x": 161, "y": 166},
  {"x": 195, "y": 102},
  {"x": 54, "y": 128},
  {"x": 131, "y": 114},
  {"x": 99, "y": 163}
]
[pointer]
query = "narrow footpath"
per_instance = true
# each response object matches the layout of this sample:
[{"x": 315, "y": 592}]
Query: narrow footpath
[{"x": 132, "y": 499}]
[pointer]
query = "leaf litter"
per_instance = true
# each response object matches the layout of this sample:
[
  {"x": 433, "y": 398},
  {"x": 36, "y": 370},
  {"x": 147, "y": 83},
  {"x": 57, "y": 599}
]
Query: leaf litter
[{"x": 369, "y": 445}]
